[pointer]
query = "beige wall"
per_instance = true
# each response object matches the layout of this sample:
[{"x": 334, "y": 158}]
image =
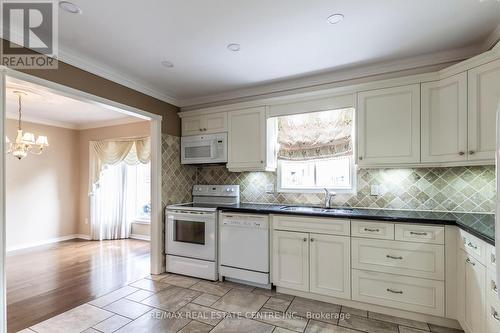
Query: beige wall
[
  {"x": 42, "y": 190},
  {"x": 113, "y": 132}
]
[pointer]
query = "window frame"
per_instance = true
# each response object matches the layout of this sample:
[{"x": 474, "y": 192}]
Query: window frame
[
  {"x": 353, "y": 173},
  {"x": 281, "y": 189}
]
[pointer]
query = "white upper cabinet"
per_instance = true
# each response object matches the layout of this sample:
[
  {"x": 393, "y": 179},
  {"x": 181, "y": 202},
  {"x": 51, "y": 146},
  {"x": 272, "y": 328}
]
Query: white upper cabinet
[
  {"x": 248, "y": 140},
  {"x": 444, "y": 120},
  {"x": 389, "y": 126},
  {"x": 204, "y": 124},
  {"x": 484, "y": 100}
]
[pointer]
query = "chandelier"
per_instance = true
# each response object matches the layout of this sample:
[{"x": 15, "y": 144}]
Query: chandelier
[{"x": 25, "y": 142}]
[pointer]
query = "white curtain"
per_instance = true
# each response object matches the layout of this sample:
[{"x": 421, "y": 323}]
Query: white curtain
[
  {"x": 111, "y": 205},
  {"x": 111, "y": 211}
]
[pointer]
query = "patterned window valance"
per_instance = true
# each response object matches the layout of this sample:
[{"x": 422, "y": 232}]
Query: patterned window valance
[{"x": 315, "y": 135}]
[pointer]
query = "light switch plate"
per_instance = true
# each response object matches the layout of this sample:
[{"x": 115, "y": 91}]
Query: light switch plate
[{"x": 375, "y": 190}]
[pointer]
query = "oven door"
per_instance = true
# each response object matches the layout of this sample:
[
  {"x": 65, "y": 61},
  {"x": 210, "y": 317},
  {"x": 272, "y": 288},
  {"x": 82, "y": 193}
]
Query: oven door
[{"x": 191, "y": 234}]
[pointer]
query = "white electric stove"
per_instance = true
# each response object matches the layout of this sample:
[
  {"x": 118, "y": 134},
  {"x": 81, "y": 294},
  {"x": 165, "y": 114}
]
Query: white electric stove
[{"x": 191, "y": 233}]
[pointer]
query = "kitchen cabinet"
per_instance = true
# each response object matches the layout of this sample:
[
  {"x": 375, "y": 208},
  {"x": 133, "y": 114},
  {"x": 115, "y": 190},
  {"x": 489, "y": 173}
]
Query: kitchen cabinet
[
  {"x": 250, "y": 140},
  {"x": 308, "y": 261},
  {"x": 484, "y": 100},
  {"x": 291, "y": 260},
  {"x": 471, "y": 289},
  {"x": 204, "y": 124},
  {"x": 444, "y": 120},
  {"x": 329, "y": 265},
  {"x": 389, "y": 126}
]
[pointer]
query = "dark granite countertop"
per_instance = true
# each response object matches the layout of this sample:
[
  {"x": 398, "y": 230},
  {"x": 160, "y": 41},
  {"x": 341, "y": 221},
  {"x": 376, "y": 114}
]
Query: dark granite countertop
[{"x": 479, "y": 225}]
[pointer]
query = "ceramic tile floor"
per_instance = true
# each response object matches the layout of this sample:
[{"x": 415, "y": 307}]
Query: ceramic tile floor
[{"x": 174, "y": 303}]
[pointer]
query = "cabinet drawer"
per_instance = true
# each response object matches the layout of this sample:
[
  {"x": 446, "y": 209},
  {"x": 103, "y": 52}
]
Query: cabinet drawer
[
  {"x": 491, "y": 286},
  {"x": 401, "y": 292},
  {"x": 410, "y": 259},
  {"x": 419, "y": 233},
  {"x": 492, "y": 317},
  {"x": 370, "y": 229},
  {"x": 473, "y": 246},
  {"x": 312, "y": 224},
  {"x": 491, "y": 259}
]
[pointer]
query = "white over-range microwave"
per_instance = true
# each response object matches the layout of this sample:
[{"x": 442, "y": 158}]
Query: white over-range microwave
[{"x": 204, "y": 149}]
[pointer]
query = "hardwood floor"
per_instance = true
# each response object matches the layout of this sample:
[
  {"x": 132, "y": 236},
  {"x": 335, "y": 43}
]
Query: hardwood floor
[{"x": 52, "y": 279}]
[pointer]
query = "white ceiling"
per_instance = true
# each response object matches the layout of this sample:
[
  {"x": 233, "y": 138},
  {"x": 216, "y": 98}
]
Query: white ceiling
[
  {"x": 280, "y": 39},
  {"x": 45, "y": 106}
]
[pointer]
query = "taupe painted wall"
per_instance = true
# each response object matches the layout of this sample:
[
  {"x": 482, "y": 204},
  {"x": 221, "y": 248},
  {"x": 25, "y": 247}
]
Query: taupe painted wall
[
  {"x": 43, "y": 190},
  {"x": 103, "y": 133}
]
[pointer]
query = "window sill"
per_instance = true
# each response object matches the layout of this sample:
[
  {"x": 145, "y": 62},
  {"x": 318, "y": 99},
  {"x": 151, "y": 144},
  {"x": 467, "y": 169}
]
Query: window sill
[
  {"x": 315, "y": 190},
  {"x": 141, "y": 221}
]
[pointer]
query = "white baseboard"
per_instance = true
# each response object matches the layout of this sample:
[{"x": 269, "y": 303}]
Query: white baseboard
[
  {"x": 141, "y": 237},
  {"x": 46, "y": 241}
]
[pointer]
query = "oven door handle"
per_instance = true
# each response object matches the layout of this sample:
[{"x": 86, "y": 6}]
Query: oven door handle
[{"x": 195, "y": 217}]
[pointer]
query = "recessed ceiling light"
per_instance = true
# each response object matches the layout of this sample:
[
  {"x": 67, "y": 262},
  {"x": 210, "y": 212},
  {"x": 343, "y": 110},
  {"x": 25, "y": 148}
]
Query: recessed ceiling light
[
  {"x": 166, "y": 63},
  {"x": 335, "y": 18},
  {"x": 234, "y": 47},
  {"x": 69, "y": 7}
]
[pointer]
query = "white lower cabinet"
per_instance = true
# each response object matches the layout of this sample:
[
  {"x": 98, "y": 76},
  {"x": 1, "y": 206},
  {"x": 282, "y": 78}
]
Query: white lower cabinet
[
  {"x": 310, "y": 262},
  {"x": 492, "y": 316},
  {"x": 401, "y": 292},
  {"x": 472, "y": 291},
  {"x": 329, "y": 267},
  {"x": 291, "y": 260}
]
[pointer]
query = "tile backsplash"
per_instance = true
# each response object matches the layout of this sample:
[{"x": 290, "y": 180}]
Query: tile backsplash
[{"x": 457, "y": 189}]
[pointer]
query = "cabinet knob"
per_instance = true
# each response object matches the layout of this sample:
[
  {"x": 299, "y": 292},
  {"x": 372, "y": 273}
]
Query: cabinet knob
[
  {"x": 305, "y": 239},
  {"x": 204, "y": 129},
  {"x": 261, "y": 162},
  {"x": 312, "y": 240},
  {"x": 471, "y": 152},
  {"x": 201, "y": 129},
  {"x": 461, "y": 153},
  {"x": 360, "y": 158}
]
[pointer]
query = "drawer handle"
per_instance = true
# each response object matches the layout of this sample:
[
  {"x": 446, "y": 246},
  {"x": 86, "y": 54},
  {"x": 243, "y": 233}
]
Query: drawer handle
[
  {"x": 372, "y": 230},
  {"x": 493, "y": 259},
  {"x": 418, "y": 233},
  {"x": 394, "y": 257},
  {"x": 394, "y": 291},
  {"x": 494, "y": 286},
  {"x": 495, "y": 315},
  {"x": 470, "y": 262},
  {"x": 469, "y": 244}
]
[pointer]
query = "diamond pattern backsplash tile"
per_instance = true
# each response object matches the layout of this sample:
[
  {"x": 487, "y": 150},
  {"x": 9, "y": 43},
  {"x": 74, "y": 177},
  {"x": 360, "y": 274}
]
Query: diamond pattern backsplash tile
[
  {"x": 177, "y": 179},
  {"x": 456, "y": 189}
]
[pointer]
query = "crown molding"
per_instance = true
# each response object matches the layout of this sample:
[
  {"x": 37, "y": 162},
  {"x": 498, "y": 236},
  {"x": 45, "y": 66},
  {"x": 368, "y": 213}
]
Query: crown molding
[
  {"x": 113, "y": 75},
  {"x": 492, "y": 38},
  {"x": 422, "y": 63},
  {"x": 13, "y": 115}
]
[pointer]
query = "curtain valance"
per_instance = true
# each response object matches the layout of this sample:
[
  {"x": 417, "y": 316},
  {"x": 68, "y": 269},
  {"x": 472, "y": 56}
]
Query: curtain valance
[
  {"x": 110, "y": 152},
  {"x": 315, "y": 135}
]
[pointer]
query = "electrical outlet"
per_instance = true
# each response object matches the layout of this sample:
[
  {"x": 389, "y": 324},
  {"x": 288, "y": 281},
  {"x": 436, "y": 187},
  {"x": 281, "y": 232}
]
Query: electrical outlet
[
  {"x": 375, "y": 190},
  {"x": 270, "y": 188}
]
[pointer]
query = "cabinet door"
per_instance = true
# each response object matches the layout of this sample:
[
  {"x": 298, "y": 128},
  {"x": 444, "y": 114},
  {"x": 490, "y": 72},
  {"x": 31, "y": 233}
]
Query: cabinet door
[
  {"x": 484, "y": 99},
  {"x": 389, "y": 126},
  {"x": 444, "y": 120},
  {"x": 215, "y": 122},
  {"x": 192, "y": 125},
  {"x": 471, "y": 287},
  {"x": 291, "y": 260},
  {"x": 330, "y": 265},
  {"x": 247, "y": 140}
]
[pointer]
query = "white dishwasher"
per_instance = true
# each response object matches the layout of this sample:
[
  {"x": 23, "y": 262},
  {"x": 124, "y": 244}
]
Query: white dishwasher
[{"x": 244, "y": 248}]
